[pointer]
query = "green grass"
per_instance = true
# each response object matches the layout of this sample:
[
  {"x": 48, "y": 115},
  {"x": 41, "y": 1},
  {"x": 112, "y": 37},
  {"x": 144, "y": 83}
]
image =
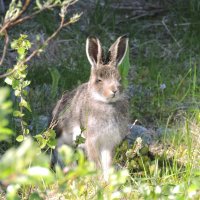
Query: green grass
[{"x": 158, "y": 60}]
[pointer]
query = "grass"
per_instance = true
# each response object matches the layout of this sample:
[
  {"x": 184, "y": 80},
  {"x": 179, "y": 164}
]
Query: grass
[{"x": 166, "y": 89}]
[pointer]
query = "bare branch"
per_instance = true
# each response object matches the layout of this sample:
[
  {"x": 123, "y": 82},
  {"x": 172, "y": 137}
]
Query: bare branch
[
  {"x": 36, "y": 51},
  {"x": 22, "y": 19},
  {"x": 18, "y": 20},
  {"x": 7, "y": 74}
]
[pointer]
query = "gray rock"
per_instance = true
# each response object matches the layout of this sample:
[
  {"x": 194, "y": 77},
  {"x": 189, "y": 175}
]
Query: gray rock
[{"x": 139, "y": 131}]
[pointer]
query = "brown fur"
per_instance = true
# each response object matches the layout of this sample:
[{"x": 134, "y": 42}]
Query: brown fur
[{"x": 99, "y": 106}]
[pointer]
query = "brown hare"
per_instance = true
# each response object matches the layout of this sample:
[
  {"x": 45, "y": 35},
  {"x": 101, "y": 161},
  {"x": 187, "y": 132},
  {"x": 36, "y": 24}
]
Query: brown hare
[{"x": 99, "y": 106}]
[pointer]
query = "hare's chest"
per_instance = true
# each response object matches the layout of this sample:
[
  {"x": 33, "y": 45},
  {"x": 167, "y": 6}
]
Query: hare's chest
[{"x": 105, "y": 129}]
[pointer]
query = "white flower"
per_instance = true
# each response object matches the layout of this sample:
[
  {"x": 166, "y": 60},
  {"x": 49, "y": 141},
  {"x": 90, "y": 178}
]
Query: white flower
[
  {"x": 116, "y": 195},
  {"x": 38, "y": 171},
  {"x": 191, "y": 194},
  {"x": 158, "y": 189},
  {"x": 171, "y": 197},
  {"x": 162, "y": 86},
  {"x": 176, "y": 189},
  {"x": 145, "y": 189}
]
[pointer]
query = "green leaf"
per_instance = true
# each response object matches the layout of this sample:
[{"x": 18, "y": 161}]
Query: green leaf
[
  {"x": 6, "y": 105},
  {"x": 21, "y": 51},
  {"x": 52, "y": 143},
  {"x": 79, "y": 140},
  {"x": 20, "y": 138},
  {"x": 25, "y": 104},
  {"x": 4, "y": 122},
  {"x": 124, "y": 69},
  {"x": 39, "y": 5},
  {"x": 4, "y": 92},
  {"x": 67, "y": 154},
  {"x": 25, "y": 92},
  {"x": 26, "y": 131},
  {"x": 14, "y": 44},
  {"x": 8, "y": 80},
  {"x": 16, "y": 84},
  {"x": 50, "y": 133},
  {"x": 17, "y": 113},
  {"x": 26, "y": 83},
  {"x": 5, "y": 131},
  {"x": 17, "y": 93},
  {"x": 21, "y": 56},
  {"x": 41, "y": 141},
  {"x": 35, "y": 196},
  {"x": 24, "y": 123}
]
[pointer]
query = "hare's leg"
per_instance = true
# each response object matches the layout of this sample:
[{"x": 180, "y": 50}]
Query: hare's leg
[
  {"x": 93, "y": 152},
  {"x": 68, "y": 136},
  {"x": 106, "y": 162},
  {"x": 65, "y": 138},
  {"x": 56, "y": 159}
]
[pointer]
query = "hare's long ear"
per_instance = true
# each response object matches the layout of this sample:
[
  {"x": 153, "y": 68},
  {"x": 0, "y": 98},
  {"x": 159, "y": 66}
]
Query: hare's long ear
[
  {"x": 93, "y": 51},
  {"x": 118, "y": 50}
]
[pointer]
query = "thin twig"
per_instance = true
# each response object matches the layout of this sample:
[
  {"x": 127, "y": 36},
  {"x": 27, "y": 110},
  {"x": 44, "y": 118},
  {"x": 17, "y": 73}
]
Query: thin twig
[
  {"x": 4, "y": 48},
  {"x": 22, "y": 19},
  {"x": 7, "y": 74},
  {"x": 46, "y": 41},
  {"x": 35, "y": 52},
  {"x": 8, "y": 24}
]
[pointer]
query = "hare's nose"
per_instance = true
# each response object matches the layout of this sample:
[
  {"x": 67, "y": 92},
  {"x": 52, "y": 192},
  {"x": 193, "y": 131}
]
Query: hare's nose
[{"x": 114, "y": 91}]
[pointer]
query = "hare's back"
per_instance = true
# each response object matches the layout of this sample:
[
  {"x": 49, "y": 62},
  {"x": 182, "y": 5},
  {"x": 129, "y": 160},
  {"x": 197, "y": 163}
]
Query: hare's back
[{"x": 68, "y": 99}]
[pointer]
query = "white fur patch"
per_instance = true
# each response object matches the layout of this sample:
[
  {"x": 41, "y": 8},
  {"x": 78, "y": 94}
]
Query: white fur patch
[
  {"x": 106, "y": 160},
  {"x": 76, "y": 132},
  {"x": 96, "y": 96}
]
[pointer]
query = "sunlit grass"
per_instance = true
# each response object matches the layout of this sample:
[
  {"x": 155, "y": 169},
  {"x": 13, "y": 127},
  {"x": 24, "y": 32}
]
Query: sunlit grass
[{"x": 166, "y": 95}]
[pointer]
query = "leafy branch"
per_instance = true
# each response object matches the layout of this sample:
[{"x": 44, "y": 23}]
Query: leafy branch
[
  {"x": 15, "y": 16},
  {"x": 16, "y": 76}
]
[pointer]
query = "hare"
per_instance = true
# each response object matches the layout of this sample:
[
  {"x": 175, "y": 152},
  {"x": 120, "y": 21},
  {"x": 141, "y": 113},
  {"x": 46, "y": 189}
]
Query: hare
[{"x": 99, "y": 106}]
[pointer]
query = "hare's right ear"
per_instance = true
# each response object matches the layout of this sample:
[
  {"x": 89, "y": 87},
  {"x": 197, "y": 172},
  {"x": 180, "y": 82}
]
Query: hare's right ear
[
  {"x": 93, "y": 51},
  {"x": 118, "y": 50}
]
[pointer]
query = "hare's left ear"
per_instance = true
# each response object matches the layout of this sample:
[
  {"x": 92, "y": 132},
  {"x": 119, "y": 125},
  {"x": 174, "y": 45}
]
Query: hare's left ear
[
  {"x": 118, "y": 50},
  {"x": 94, "y": 51}
]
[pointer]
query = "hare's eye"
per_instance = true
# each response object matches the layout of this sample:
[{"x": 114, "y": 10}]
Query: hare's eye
[{"x": 98, "y": 80}]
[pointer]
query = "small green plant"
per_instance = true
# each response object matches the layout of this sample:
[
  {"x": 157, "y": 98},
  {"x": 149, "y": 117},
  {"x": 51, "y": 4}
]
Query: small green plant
[
  {"x": 24, "y": 168},
  {"x": 19, "y": 83}
]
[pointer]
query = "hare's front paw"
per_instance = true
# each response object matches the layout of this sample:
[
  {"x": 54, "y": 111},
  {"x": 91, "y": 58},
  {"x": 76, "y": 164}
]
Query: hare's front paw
[
  {"x": 76, "y": 133},
  {"x": 106, "y": 161}
]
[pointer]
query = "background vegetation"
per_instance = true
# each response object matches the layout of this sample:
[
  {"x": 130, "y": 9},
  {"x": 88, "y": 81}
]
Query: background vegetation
[{"x": 164, "y": 88}]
